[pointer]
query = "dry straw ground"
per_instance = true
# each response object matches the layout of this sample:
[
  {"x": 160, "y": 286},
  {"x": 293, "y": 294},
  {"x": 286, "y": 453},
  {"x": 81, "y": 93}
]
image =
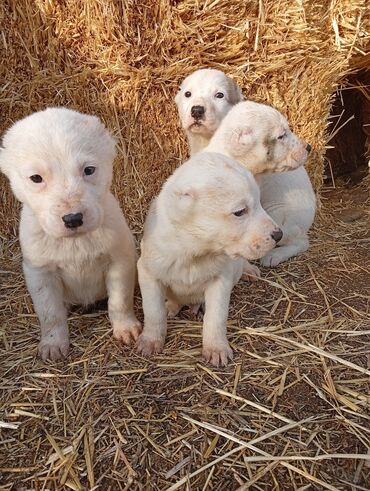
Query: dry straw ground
[{"x": 292, "y": 411}]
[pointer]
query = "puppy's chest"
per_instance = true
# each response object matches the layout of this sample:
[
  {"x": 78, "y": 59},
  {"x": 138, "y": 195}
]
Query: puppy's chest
[
  {"x": 69, "y": 257},
  {"x": 82, "y": 272},
  {"x": 186, "y": 276},
  {"x": 82, "y": 266}
]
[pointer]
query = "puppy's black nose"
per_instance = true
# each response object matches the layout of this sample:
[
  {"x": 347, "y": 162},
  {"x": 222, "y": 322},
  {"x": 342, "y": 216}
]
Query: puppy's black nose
[
  {"x": 308, "y": 148},
  {"x": 277, "y": 235},
  {"x": 73, "y": 220},
  {"x": 197, "y": 112}
]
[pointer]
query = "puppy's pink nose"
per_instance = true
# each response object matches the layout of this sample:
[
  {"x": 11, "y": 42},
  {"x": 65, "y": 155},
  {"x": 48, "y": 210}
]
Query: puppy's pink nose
[
  {"x": 277, "y": 235},
  {"x": 73, "y": 220}
]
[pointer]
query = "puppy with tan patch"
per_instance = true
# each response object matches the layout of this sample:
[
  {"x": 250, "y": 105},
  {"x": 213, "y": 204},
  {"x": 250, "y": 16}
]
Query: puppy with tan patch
[
  {"x": 76, "y": 245},
  {"x": 205, "y": 222},
  {"x": 258, "y": 136}
]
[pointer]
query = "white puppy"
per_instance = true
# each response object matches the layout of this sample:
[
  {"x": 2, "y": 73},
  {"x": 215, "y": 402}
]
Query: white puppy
[
  {"x": 205, "y": 222},
  {"x": 204, "y": 98},
  {"x": 287, "y": 197},
  {"x": 290, "y": 200},
  {"x": 77, "y": 247},
  {"x": 258, "y": 136}
]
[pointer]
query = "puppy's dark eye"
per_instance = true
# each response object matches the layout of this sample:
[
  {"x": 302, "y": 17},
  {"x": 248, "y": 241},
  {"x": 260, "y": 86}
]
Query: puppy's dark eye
[
  {"x": 36, "y": 178},
  {"x": 187, "y": 94},
  {"x": 240, "y": 213},
  {"x": 220, "y": 95},
  {"x": 281, "y": 137},
  {"x": 89, "y": 170}
]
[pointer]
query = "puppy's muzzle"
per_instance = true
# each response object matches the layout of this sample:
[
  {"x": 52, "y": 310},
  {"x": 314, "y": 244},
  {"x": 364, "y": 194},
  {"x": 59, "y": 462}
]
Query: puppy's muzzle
[
  {"x": 197, "y": 112},
  {"x": 73, "y": 220},
  {"x": 277, "y": 235}
]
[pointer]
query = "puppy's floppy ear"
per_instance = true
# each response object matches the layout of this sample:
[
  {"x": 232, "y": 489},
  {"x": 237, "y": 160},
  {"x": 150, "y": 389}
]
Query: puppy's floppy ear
[
  {"x": 186, "y": 194},
  {"x": 102, "y": 134},
  {"x": 185, "y": 198},
  {"x": 240, "y": 140},
  {"x": 234, "y": 91}
]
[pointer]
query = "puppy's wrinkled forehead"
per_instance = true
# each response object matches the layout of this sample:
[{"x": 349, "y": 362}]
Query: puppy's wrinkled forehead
[
  {"x": 266, "y": 116},
  {"x": 206, "y": 82},
  {"x": 57, "y": 138},
  {"x": 209, "y": 173}
]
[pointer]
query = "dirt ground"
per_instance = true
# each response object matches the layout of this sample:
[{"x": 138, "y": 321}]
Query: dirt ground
[{"x": 290, "y": 413}]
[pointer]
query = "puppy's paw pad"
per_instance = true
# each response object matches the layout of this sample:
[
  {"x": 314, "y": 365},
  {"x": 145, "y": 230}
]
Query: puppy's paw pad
[
  {"x": 218, "y": 355},
  {"x": 148, "y": 346},
  {"x": 53, "y": 351},
  {"x": 127, "y": 334},
  {"x": 251, "y": 272}
]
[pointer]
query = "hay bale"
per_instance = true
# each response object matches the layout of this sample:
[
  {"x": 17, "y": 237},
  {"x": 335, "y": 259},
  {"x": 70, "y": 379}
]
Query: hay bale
[{"x": 124, "y": 60}]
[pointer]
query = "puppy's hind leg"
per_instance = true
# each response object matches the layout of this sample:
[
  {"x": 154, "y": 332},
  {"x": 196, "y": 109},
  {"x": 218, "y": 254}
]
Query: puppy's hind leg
[
  {"x": 297, "y": 246},
  {"x": 46, "y": 290}
]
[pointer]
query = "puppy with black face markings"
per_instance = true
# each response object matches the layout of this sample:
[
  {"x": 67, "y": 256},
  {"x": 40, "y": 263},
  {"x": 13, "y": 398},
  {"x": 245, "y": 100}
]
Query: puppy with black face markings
[{"x": 76, "y": 245}]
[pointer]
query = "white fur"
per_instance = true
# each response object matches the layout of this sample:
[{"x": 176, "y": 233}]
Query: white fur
[
  {"x": 62, "y": 265},
  {"x": 258, "y": 136},
  {"x": 288, "y": 197},
  {"x": 194, "y": 247},
  {"x": 204, "y": 85},
  {"x": 290, "y": 200}
]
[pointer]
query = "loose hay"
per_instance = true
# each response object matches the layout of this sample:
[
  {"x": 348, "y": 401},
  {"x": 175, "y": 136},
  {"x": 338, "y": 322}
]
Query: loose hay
[{"x": 292, "y": 411}]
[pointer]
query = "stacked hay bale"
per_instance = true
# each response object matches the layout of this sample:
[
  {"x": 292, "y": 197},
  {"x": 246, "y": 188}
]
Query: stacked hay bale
[{"x": 123, "y": 60}]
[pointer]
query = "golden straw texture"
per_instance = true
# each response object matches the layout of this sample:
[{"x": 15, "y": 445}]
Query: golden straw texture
[{"x": 123, "y": 60}]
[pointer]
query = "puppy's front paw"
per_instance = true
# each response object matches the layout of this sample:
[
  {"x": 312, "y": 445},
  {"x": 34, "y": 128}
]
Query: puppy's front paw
[
  {"x": 53, "y": 348},
  {"x": 218, "y": 354},
  {"x": 127, "y": 332},
  {"x": 250, "y": 272},
  {"x": 272, "y": 258},
  {"x": 149, "y": 346}
]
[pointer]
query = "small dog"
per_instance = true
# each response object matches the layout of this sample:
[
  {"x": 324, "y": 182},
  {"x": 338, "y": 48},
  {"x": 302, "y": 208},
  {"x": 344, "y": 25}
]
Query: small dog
[
  {"x": 76, "y": 245},
  {"x": 205, "y": 222},
  {"x": 258, "y": 136},
  {"x": 287, "y": 197},
  {"x": 204, "y": 98}
]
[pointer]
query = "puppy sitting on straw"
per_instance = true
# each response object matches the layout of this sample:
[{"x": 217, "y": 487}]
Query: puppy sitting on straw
[
  {"x": 205, "y": 222},
  {"x": 259, "y": 137},
  {"x": 77, "y": 247}
]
